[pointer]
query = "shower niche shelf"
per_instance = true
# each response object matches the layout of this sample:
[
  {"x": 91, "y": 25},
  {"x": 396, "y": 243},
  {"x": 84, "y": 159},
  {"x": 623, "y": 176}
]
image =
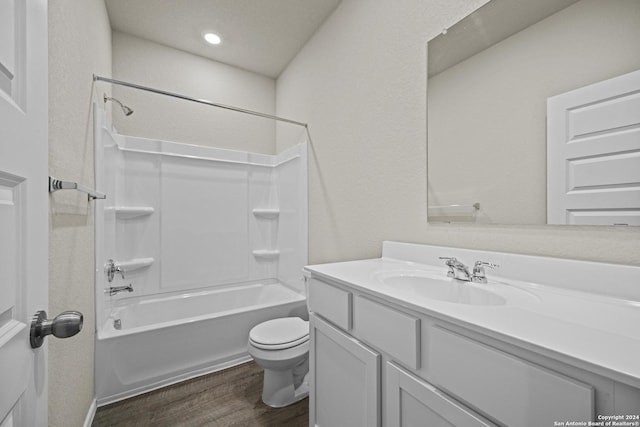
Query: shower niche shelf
[
  {"x": 268, "y": 213},
  {"x": 129, "y": 212},
  {"x": 266, "y": 253}
]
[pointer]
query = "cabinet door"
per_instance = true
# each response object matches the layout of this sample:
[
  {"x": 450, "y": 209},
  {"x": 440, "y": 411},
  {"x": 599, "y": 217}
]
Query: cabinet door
[
  {"x": 412, "y": 402},
  {"x": 345, "y": 379}
]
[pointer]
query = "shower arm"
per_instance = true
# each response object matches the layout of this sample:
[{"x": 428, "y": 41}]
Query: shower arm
[
  {"x": 126, "y": 110},
  {"x": 199, "y": 101}
]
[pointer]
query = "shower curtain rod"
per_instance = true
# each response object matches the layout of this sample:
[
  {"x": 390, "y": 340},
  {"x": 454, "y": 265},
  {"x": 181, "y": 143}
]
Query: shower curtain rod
[{"x": 199, "y": 101}]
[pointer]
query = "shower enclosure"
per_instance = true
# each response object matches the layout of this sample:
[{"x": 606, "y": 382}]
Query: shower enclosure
[{"x": 194, "y": 247}]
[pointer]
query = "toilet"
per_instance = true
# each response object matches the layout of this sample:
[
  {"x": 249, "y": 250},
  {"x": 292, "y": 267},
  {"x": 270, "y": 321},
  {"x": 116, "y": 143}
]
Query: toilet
[{"x": 281, "y": 348}]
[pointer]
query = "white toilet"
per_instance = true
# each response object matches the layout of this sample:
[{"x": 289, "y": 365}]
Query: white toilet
[{"x": 281, "y": 348}]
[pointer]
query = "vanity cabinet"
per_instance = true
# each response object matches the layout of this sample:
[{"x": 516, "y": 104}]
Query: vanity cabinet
[{"x": 374, "y": 362}]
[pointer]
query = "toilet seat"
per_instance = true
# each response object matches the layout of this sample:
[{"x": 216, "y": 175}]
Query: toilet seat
[{"x": 278, "y": 334}]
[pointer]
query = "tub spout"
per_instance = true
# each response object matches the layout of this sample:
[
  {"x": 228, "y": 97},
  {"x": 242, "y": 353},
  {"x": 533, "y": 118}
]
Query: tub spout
[{"x": 114, "y": 290}]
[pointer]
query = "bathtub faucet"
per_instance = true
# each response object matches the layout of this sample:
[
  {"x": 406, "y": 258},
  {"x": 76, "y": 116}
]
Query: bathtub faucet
[
  {"x": 114, "y": 290},
  {"x": 111, "y": 269}
]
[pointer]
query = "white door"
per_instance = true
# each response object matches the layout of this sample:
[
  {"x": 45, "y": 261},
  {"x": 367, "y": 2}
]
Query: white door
[
  {"x": 23, "y": 209},
  {"x": 593, "y": 154}
]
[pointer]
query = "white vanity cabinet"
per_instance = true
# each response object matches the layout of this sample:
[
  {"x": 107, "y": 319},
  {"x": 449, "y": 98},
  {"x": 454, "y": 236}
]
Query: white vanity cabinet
[
  {"x": 347, "y": 372},
  {"x": 374, "y": 362}
]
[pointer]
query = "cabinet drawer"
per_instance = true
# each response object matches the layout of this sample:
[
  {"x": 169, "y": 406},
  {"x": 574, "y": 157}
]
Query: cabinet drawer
[
  {"x": 390, "y": 330},
  {"x": 414, "y": 402},
  {"x": 506, "y": 388},
  {"x": 332, "y": 303}
]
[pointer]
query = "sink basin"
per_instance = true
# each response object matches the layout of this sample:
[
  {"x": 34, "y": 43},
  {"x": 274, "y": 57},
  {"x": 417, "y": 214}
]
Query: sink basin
[
  {"x": 445, "y": 289},
  {"x": 436, "y": 285}
]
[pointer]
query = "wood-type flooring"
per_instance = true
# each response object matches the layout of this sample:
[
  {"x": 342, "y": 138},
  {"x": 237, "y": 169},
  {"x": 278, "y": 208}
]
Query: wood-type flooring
[{"x": 229, "y": 398}]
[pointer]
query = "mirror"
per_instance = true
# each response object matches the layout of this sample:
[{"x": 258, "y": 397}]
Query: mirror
[{"x": 488, "y": 82}]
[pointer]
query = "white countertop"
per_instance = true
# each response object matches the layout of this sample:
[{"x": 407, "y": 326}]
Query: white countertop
[{"x": 596, "y": 332}]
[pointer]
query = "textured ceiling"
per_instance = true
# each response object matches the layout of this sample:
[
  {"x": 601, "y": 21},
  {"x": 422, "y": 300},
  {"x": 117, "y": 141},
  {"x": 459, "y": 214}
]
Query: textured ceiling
[{"x": 257, "y": 35}]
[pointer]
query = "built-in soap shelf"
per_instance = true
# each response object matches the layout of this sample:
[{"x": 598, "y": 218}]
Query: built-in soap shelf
[
  {"x": 134, "y": 264},
  {"x": 269, "y": 213},
  {"x": 266, "y": 253},
  {"x": 128, "y": 212}
]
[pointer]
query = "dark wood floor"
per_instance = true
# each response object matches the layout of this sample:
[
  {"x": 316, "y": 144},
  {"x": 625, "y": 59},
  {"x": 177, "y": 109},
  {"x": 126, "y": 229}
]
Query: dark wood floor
[{"x": 229, "y": 398}]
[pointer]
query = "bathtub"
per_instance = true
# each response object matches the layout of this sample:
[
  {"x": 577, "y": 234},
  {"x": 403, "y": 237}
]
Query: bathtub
[{"x": 156, "y": 341}]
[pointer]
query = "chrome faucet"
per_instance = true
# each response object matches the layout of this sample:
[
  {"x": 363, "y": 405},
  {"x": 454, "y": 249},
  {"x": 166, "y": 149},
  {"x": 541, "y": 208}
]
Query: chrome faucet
[
  {"x": 114, "y": 290},
  {"x": 457, "y": 270},
  {"x": 479, "y": 273},
  {"x": 111, "y": 269}
]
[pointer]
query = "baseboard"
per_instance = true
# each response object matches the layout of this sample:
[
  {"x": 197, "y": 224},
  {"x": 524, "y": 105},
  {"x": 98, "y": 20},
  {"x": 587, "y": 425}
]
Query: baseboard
[{"x": 91, "y": 413}]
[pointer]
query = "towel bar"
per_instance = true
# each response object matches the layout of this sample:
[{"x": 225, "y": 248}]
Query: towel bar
[{"x": 56, "y": 184}]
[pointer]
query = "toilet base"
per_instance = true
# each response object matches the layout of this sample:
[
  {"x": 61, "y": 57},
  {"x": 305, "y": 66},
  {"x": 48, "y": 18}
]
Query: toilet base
[{"x": 280, "y": 389}]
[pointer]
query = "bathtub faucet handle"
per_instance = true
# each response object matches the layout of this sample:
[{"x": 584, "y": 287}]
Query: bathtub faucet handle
[
  {"x": 114, "y": 290},
  {"x": 111, "y": 269}
]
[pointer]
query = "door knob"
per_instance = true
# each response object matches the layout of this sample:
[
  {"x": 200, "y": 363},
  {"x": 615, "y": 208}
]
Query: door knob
[{"x": 65, "y": 325}]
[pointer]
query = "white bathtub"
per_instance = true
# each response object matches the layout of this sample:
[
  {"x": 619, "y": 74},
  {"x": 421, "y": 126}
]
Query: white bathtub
[{"x": 168, "y": 339}]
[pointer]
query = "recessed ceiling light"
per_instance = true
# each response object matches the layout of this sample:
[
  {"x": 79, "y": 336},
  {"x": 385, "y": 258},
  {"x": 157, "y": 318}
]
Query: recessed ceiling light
[{"x": 212, "y": 38}]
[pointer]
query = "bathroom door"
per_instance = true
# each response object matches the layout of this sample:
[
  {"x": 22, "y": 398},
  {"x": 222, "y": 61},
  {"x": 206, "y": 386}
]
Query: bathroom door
[
  {"x": 593, "y": 154},
  {"x": 23, "y": 209}
]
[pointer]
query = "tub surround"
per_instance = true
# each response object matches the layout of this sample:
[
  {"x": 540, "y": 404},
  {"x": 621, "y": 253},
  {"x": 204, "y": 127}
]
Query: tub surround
[
  {"x": 211, "y": 241},
  {"x": 575, "y": 320},
  {"x": 241, "y": 215}
]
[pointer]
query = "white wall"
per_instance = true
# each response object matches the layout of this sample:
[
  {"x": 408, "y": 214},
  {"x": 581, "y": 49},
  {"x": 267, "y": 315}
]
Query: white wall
[
  {"x": 79, "y": 45},
  {"x": 491, "y": 109},
  {"x": 150, "y": 64},
  {"x": 360, "y": 82}
]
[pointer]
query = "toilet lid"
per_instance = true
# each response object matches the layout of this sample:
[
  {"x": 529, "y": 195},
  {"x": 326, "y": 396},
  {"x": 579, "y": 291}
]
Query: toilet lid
[{"x": 281, "y": 333}]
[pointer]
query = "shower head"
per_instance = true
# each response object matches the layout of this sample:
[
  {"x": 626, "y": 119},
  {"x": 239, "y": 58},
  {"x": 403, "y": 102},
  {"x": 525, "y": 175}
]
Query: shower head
[{"x": 126, "y": 110}]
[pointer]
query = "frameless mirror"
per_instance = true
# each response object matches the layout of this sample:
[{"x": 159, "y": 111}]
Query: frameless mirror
[{"x": 489, "y": 79}]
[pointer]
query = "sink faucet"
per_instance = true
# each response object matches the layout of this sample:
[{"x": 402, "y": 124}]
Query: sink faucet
[
  {"x": 479, "y": 273},
  {"x": 457, "y": 270}
]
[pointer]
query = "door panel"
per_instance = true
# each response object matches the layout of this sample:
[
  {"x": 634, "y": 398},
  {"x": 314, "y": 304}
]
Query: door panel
[
  {"x": 23, "y": 209},
  {"x": 13, "y": 54},
  {"x": 14, "y": 356},
  {"x": 7, "y": 46},
  {"x": 593, "y": 154}
]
